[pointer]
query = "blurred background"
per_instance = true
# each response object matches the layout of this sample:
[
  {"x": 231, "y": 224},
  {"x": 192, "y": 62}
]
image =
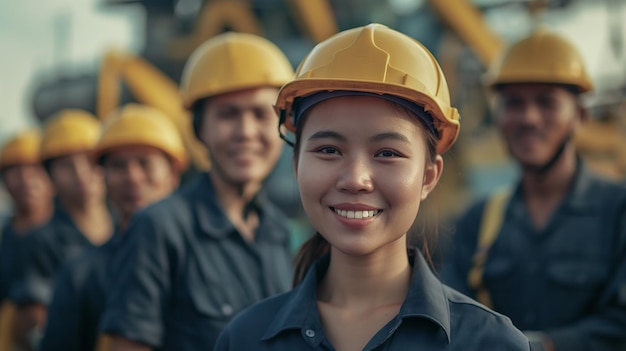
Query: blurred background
[{"x": 97, "y": 54}]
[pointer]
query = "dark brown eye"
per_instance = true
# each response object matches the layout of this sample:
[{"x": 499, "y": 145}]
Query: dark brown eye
[{"x": 387, "y": 153}]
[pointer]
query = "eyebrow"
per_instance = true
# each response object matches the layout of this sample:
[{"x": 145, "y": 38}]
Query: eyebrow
[
  {"x": 323, "y": 134},
  {"x": 390, "y": 136}
]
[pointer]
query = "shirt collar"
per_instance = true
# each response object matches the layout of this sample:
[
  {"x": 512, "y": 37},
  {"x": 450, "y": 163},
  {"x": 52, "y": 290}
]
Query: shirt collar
[
  {"x": 580, "y": 193},
  {"x": 426, "y": 299},
  {"x": 213, "y": 222}
]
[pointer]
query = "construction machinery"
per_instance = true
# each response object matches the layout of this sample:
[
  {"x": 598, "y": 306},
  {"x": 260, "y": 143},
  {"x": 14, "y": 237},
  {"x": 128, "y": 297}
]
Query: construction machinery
[{"x": 456, "y": 31}]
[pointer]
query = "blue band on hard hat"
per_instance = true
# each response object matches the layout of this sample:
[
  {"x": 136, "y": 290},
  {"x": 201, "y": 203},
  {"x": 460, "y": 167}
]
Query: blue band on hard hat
[{"x": 304, "y": 104}]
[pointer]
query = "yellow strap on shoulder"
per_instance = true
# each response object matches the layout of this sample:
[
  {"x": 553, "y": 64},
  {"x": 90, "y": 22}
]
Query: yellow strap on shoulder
[
  {"x": 490, "y": 225},
  {"x": 7, "y": 321}
]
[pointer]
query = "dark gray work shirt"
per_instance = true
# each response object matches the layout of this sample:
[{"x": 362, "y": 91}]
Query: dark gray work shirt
[
  {"x": 183, "y": 271},
  {"x": 432, "y": 317},
  {"x": 567, "y": 279},
  {"x": 79, "y": 300},
  {"x": 44, "y": 250},
  {"x": 9, "y": 258}
]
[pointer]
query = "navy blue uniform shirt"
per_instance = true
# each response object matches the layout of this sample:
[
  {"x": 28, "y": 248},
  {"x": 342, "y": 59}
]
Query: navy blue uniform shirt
[
  {"x": 182, "y": 270},
  {"x": 79, "y": 300},
  {"x": 432, "y": 317},
  {"x": 568, "y": 278},
  {"x": 44, "y": 250},
  {"x": 9, "y": 258}
]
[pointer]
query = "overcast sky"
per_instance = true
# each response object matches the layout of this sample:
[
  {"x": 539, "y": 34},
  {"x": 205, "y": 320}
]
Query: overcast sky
[{"x": 30, "y": 32}]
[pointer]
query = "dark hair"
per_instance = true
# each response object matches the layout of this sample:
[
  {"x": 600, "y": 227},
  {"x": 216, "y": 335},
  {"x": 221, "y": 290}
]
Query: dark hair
[
  {"x": 197, "y": 112},
  {"x": 317, "y": 246}
]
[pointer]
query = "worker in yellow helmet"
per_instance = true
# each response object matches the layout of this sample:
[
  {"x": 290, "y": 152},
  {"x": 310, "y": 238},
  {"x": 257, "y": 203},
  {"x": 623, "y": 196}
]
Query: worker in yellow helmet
[
  {"x": 192, "y": 261},
  {"x": 369, "y": 112},
  {"x": 31, "y": 191},
  {"x": 81, "y": 218},
  {"x": 549, "y": 252},
  {"x": 143, "y": 156}
]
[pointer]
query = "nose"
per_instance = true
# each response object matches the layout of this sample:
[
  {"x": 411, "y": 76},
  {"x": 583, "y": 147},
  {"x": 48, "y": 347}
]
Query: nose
[
  {"x": 247, "y": 127},
  {"x": 134, "y": 172},
  {"x": 531, "y": 114},
  {"x": 85, "y": 172},
  {"x": 355, "y": 176}
]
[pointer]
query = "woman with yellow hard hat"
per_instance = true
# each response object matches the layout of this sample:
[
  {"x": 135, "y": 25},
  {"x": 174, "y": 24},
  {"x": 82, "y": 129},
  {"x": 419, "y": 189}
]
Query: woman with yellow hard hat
[
  {"x": 143, "y": 156},
  {"x": 370, "y": 115}
]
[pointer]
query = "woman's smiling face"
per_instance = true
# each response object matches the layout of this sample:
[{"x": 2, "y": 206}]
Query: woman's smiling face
[{"x": 363, "y": 167}]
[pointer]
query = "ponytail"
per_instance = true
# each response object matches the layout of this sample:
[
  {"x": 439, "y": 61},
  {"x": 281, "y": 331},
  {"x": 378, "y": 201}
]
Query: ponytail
[{"x": 309, "y": 252}]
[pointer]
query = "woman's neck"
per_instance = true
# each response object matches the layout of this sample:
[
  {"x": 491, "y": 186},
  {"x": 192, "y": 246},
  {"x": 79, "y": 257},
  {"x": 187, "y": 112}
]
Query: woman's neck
[{"x": 378, "y": 279}]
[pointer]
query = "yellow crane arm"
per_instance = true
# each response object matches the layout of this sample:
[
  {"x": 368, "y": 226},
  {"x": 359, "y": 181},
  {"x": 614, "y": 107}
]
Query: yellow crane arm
[
  {"x": 316, "y": 18},
  {"x": 150, "y": 87},
  {"x": 467, "y": 22}
]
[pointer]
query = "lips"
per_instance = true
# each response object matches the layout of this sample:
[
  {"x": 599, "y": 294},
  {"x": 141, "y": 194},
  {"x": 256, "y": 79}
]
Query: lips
[
  {"x": 237, "y": 151},
  {"x": 529, "y": 134},
  {"x": 356, "y": 214}
]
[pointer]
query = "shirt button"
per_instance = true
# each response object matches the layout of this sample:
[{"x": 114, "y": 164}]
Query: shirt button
[
  {"x": 227, "y": 309},
  {"x": 310, "y": 333}
]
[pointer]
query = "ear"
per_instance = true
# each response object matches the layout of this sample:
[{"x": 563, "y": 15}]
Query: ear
[{"x": 432, "y": 173}]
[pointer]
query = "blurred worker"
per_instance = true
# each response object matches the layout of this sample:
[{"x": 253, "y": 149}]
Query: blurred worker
[
  {"x": 81, "y": 218},
  {"x": 191, "y": 262},
  {"x": 31, "y": 191},
  {"x": 550, "y": 252},
  {"x": 143, "y": 156}
]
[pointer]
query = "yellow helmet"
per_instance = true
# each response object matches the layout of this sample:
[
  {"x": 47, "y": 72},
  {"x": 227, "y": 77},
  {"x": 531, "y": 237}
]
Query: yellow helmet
[
  {"x": 375, "y": 59},
  {"x": 140, "y": 125},
  {"x": 68, "y": 132},
  {"x": 230, "y": 62},
  {"x": 542, "y": 57},
  {"x": 22, "y": 149}
]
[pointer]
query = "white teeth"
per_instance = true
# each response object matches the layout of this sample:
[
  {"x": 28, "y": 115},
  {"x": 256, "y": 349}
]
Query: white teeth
[{"x": 356, "y": 214}]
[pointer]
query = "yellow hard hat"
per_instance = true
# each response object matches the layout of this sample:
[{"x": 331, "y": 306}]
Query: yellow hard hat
[
  {"x": 375, "y": 59},
  {"x": 22, "y": 149},
  {"x": 140, "y": 125},
  {"x": 68, "y": 132},
  {"x": 230, "y": 62},
  {"x": 542, "y": 57}
]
